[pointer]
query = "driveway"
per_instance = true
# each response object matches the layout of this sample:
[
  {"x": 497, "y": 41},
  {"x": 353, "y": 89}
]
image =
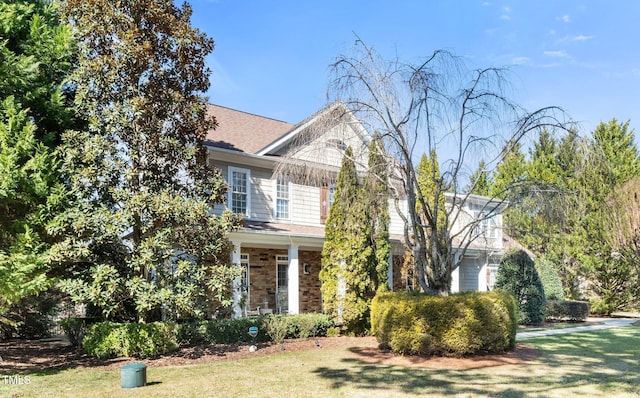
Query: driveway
[{"x": 603, "y": 323}]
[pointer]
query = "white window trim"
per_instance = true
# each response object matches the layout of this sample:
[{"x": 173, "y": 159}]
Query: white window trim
[
  {"x": 231, "y": 170},
  {"x": 275, "y": 201}
]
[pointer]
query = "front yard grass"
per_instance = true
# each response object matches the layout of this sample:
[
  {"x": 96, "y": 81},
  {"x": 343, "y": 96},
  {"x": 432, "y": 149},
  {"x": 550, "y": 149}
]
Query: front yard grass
[{"x": 596, "y": 364}]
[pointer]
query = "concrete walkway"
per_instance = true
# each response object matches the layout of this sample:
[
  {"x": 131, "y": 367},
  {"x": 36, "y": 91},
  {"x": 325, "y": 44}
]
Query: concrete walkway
[{"x": 603, "y": 323}]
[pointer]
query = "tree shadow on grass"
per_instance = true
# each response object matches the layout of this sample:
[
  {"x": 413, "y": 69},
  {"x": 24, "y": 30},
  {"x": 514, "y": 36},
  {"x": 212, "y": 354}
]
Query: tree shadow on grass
[{"x": 603, "y": 362}]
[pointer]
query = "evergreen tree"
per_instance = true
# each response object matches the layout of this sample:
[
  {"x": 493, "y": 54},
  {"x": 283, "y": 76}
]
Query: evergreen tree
[
  {"x": 480, "y": 181},
  {"x": 140, "y": 239},
  {"x": 612, "y": 160},
  {"x": 435, "y": 227},
  {"x": 517, "y": 274},
  {"x": 36, "y": 53},
  {"x": 377, "y": 198},
  {"x": 510, "y": 172},
  {"x": 348, "y": 271}
]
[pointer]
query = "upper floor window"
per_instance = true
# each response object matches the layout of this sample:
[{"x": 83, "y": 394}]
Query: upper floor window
[
  {"x": 240, "y": 192},
  {"x": 283, "y": 199},
  {"x": 486, "y": 226}
]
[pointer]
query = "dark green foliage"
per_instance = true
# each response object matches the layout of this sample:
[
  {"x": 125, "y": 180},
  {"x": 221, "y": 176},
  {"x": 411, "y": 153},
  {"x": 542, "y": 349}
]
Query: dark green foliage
[
  {"x": 75, "y": 329},
  {"x": 460, "y": 324},
  {"x": 517, "y": 274},
  {"x": 220, "y": 331},
  {"x": 225, "y": 331},
  {"x": 141, "y": 340},
  {"x": 567, "y": 310},
  {"x": 140, "y": 241},
  {"x": 376, "y": 197},
  {"x": 550, "y": 279}
]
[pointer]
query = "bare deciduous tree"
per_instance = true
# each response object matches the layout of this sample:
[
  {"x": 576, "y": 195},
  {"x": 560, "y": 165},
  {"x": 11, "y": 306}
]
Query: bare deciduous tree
[{"x": 435, "y": 105}]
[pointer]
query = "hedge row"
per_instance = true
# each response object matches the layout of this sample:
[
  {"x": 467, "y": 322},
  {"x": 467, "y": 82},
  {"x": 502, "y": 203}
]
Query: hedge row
[
  {"x": 460, "y": 324},
  {"x": 109, "y": 339},
  {"x": 566, "y": 310}
]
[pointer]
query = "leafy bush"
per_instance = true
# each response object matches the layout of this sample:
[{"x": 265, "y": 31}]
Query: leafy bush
[
  {"x": 518, "y": 275},
  {"x": 566, "y": 310},
  {"x": 220, "y": 331},
  {"x": 461, "y": 324},
  {"x": 277, "y": 327},
  {"x": 308, "y": 325},
  {"x": 224, "y": 331},
  {"x": 550, "y": 279},
  {"x": 74, "y": 329},
  {"x": 107, "y": 339}
]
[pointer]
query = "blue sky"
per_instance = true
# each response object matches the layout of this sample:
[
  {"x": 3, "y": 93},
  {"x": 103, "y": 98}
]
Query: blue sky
[{"x": 272, "y": 57}]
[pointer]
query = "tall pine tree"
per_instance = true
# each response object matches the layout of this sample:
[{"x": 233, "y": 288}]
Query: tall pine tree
[
  {"x": 36, "y": 54},
  {"x": 376, "y": 195}
]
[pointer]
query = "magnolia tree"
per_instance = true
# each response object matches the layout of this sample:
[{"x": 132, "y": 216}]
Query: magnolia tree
[
  {"x": 140, "y": 240},
  {"x": 436, "y": 106}
]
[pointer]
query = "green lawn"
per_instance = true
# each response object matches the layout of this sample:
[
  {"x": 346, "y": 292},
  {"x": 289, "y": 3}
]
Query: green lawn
[{"x": 595, "y": 364}]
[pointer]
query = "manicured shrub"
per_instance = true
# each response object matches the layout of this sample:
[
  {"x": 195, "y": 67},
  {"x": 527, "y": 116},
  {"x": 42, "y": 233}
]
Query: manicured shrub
[
  {"x": 550, "y": 279},
  {"x": 302, "y": 326},
  {"x": 566, "y": 310},
  {"x": 460, "y": 324},
  {"x": 518, "y": 275},
  {"x": 221, "y": 331},
  {"x": 226, "y": 331},
  {"x": 108, "y": 339}
]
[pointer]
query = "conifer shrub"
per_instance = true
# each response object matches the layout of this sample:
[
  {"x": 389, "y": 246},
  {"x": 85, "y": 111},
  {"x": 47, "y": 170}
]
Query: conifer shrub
[
  {"x": 567, "y": 310},
  {"x": 550, "y": 279},
  {"x": 142, "y": 340},
  {"x": 457, "y": 325},
  {"x": 517, "y": 274}
]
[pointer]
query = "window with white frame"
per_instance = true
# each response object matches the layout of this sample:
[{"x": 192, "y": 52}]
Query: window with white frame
[
  {"x": 486, "y": 226},
  {"x": 240, "y": 192},
  {"x": 283, "y": 199}
]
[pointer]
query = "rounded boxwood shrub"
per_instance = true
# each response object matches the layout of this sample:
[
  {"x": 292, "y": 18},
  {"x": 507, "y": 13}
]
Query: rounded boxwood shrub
[
  {"x": 518, "y": 275},
  {"x": 457, "y": 325},
  {"x": 142, "y": 340}
]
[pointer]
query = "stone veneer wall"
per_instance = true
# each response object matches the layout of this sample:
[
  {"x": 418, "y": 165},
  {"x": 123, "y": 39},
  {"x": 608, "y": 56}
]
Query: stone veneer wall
[{"x": 262, "y": 276}]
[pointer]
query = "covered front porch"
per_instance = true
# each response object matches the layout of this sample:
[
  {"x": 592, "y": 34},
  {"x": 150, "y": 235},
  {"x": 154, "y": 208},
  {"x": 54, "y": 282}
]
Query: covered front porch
[{"x": 280, "y": 272}]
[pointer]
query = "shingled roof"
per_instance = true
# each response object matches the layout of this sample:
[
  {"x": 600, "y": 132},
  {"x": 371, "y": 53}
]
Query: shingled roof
[{"x": 242, "y": 131}]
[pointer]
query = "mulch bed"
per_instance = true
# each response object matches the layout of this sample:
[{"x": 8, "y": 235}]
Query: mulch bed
[{"x": 26, "y": 356}]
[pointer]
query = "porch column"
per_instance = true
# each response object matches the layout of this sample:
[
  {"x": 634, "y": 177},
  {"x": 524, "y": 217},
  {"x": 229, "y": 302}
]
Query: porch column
[
  {"x": 293, "y": 283},
  {"x": 390, "y": 271},
  {"x": 482, "y": 275},
  {"x": 455, "y": 275},
  {"x": 235, "y": 260}
]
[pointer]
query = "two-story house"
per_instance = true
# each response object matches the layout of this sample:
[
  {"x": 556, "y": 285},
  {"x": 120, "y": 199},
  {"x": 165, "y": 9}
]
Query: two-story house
[{"x": 279, "y": 245}]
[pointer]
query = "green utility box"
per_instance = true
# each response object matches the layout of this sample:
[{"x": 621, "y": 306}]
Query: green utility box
[{"x": 133, "y": 375}]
